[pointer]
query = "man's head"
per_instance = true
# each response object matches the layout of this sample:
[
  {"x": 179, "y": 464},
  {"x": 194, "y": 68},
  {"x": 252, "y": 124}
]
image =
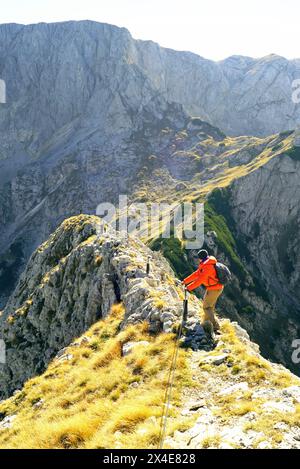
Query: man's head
[{"x": 202, "y": 254}]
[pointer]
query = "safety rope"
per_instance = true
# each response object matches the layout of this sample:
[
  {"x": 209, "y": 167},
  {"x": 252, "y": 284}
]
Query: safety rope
[{"x": 171, "y": 375}]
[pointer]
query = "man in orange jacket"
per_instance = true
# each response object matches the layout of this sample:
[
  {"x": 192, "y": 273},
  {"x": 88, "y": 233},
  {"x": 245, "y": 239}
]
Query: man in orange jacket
[{"x": 206, "y": 275}]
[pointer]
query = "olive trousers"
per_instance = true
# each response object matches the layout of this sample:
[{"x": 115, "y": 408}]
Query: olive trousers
[{"x": 209, "y": 302}]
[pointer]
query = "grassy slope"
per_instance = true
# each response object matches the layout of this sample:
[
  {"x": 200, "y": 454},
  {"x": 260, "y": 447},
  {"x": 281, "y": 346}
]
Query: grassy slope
[
  {"x": 98, "y": 399},
  {"x": 272, "y": 147}
]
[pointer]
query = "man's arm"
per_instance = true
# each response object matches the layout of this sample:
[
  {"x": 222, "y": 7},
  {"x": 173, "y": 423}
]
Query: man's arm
[
  {"x": 191, "y": 278},
  {"x": 196, "y": 283},
  {"x": 194, "y": 280}
]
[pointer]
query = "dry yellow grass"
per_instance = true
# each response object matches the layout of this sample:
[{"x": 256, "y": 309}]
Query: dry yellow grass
[
  {"x": 99, "y": 399},
  {"x": 246, "y": 365},
  {"x": 211, "y": 441}
]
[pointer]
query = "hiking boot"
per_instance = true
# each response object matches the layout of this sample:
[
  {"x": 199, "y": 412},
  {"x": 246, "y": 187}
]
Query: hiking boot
[{"x": 208, "y": 329}]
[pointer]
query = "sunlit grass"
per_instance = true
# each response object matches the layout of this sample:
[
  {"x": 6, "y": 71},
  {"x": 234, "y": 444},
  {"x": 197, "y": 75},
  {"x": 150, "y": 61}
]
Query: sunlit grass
[{"x": 99, "y": 398}]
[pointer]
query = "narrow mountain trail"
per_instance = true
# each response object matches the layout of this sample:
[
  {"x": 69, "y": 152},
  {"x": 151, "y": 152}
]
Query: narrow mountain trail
[{"x": 234, "y": 407}]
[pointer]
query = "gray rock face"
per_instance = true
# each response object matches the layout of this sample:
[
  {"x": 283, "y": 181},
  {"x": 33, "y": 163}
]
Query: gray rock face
[
  {"x": 72, "y": 281},
  {"x": 266, "y": 205},
  {"x": 63, "y": 74}
]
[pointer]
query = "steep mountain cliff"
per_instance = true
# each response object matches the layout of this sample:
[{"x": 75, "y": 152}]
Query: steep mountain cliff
[
  {"x": 85, "y": 70},
  {"x": 105, "y": 388}
]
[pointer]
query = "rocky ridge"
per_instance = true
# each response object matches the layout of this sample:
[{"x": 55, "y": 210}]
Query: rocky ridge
[{"x": 72, "y": 281}]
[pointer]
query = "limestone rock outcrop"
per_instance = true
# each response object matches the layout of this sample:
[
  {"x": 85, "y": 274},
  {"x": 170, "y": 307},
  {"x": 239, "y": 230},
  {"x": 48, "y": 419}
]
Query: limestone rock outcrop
[{"x": 71, "y": 281}]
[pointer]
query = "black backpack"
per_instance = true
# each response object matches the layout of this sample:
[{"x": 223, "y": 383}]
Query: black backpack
[{"x": 223, "y": 273}]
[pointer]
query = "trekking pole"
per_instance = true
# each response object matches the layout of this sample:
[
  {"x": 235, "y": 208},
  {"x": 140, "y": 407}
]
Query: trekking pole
[
  {"x": 185, "y": 305},
  {"x": 148, "y": 266},
  {"x": 171, "y": 376}
]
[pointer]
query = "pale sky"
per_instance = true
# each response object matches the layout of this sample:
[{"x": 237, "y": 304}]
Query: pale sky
[{"x": 214, "y": 29}]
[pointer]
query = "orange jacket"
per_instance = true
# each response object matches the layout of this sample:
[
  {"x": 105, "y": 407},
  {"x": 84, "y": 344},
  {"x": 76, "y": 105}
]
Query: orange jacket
[{"x": 205, "y": 275}]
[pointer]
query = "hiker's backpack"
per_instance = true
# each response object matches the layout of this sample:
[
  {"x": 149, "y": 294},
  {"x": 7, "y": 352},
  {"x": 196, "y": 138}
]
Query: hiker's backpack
[{"x": 223, "y": 273}]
